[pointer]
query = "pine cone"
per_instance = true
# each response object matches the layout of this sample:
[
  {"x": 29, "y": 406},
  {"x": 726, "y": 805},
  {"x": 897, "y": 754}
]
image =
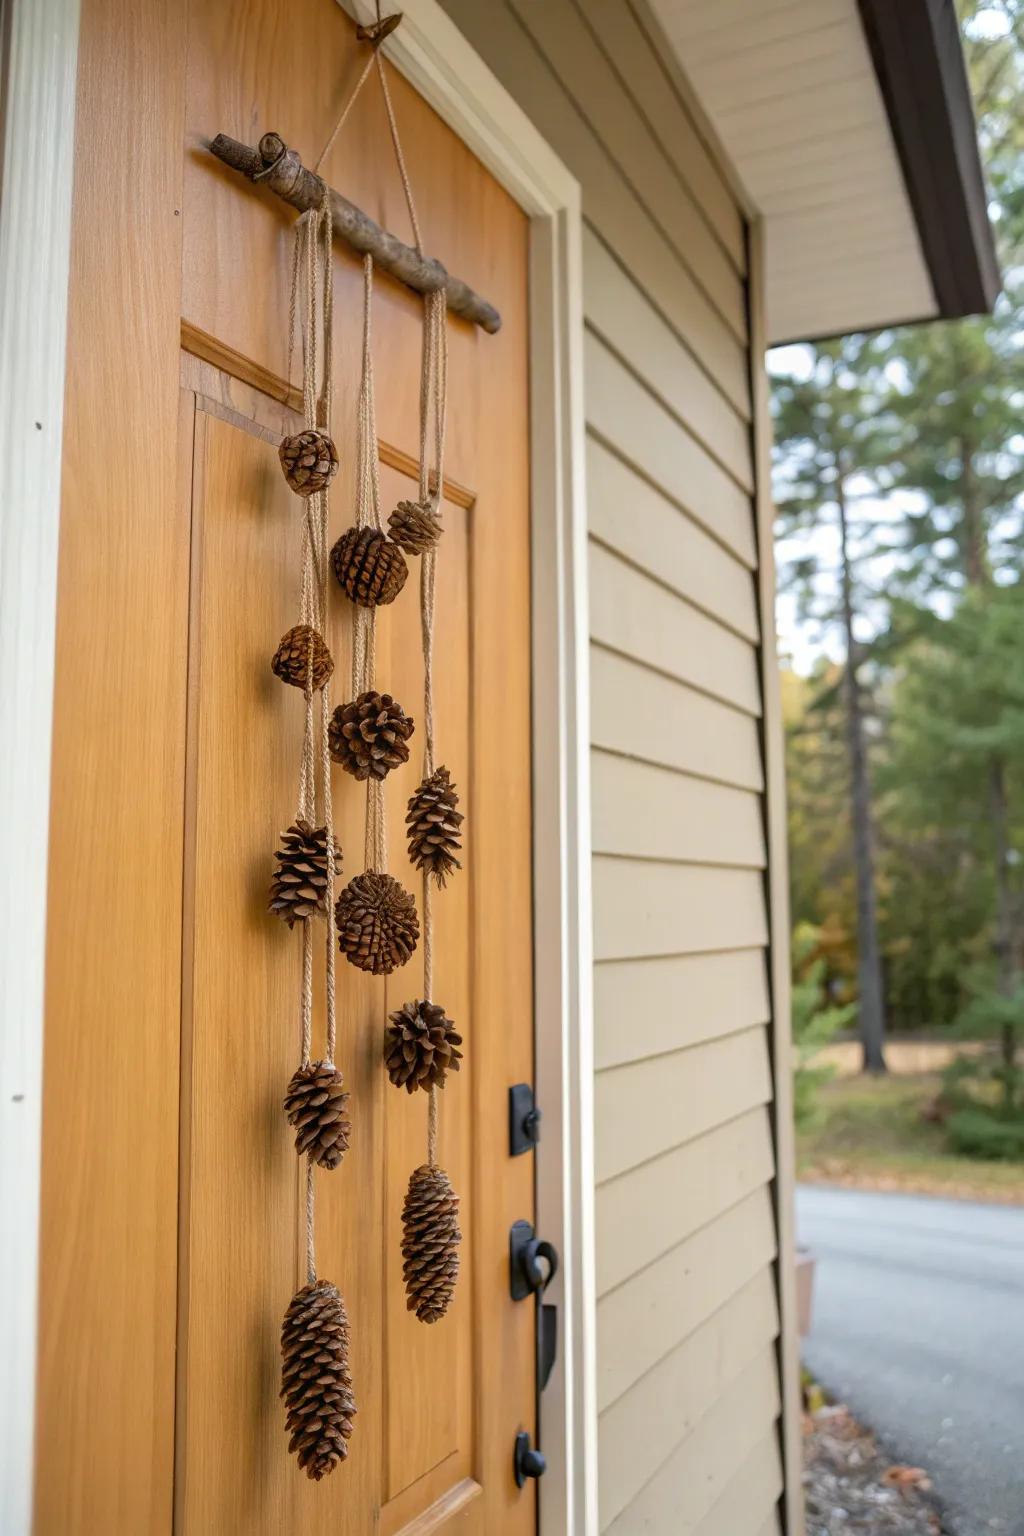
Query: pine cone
[
  {"x": 377, "y": 923},
  {"x": 315, "y": 1105},
  {"x": 368, "y": 737},
  {"x": 300, "y": 884},
  {"x": 309, "y": 460},
  {"x": 433, "y": 824},
  {"x": 414, "y": 526},
  {"x": 301, "y": 652},
  {"x": 370, "y": 569},
  {"x": 431, "y": 1236},
  {"x": 316, "y": 1382},
  {"x": 421, "y": 1045}
]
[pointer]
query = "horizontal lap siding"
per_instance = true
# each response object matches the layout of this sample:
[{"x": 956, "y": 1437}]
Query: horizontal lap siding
[{"x": 684, "y": 1161}]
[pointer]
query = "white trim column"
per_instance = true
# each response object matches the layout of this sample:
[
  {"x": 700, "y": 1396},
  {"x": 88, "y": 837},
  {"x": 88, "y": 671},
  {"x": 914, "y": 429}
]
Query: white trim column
[{"x": 37, "y": 98}]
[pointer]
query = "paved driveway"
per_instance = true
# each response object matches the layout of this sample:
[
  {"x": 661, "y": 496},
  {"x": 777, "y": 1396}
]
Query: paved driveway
[{"x": 919, "y": 1327}]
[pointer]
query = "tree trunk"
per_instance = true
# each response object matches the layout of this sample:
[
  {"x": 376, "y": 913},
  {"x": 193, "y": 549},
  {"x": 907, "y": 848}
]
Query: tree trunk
[
  {"x": 973, "y": 539},
  {"x": 869, "y": 962},
  {"x": 1004, "y": 947}
]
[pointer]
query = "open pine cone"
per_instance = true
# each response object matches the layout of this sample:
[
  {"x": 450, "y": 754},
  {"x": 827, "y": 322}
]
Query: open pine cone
[
  {"x": 415, "y": 526},
  {"x": 377, "y": 924},
  {"x": 430, "y": 1243},
  {"x": 299, "y": 887},
  {"x": 302, "y": 658},
  {"x": 433, "y": 826},
  {"x": 420, "y": 1046},
  {"x": 309, "y": 460},
  {"x": 368, "y": 737},
  {"x": 316, "y": 1382},
  {"x": 316, "y": 1104},
  {"x": 370, "y": 569}
]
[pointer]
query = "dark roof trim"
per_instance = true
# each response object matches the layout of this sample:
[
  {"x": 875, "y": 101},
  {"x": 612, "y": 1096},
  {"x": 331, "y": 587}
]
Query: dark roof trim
[{"x": 918, "y": 58}]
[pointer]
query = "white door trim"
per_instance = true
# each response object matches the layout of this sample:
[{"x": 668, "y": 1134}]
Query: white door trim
[
  {"x": 433, "y": 54},
  {"x": 37, "y": 103}
]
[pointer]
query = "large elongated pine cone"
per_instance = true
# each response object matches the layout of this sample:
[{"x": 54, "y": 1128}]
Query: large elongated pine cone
[
  {"x": 415, "y": 526},
  {"x": 420, "y": 1046},
  {"x": 300, "y": 884},
  {"x": 303, "y": 659},
  {"x": 316, "y": 1105},
  {"x": 370, "y": 569},
  {"x": 316, "y": 1382},
  {"x": 368, "y": 737},
  {"x": 430, "y": 1243},
  {"x": 377, "y": 924},
  {"x": 309, "y": 460},
  {"x": 433, "y": 824}
]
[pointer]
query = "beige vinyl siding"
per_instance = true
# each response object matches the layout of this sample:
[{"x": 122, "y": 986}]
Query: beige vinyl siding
[{"x": 687, "y": 1313}]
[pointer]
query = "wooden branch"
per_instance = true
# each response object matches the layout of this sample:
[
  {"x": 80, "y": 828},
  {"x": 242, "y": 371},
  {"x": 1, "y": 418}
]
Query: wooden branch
[{"x": 276, "y": 166}]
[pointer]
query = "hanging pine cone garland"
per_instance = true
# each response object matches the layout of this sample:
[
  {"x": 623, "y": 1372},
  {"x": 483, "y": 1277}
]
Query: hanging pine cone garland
[
  {"x": 433, "y": 826},
  {"x": 430, "y": 1243},
  {"x": 370, "y": 569},
  {"x": 377, "y": 924},
  {"x": 414, "y": 526},
  {"x": 316, "y": 1106},
  {"x": 316, "y": 1382},
  {"x": 300, "y": 885},
  {"x": 309, "y": 460},
  {"x": 368, "y": 737},
  {"x": 302, "y": 659},
  {"x": 421, "y": 1046}
]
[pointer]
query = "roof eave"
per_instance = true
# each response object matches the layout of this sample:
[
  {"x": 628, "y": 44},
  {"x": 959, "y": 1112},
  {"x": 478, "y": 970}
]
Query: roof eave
[{"x": 918, "y": 59}]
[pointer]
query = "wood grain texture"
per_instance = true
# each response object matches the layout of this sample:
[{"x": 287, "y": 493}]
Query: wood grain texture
[
  {"x": 651, "y": 1106},
  {"x": 646, "y": 1211},
  {"x": 682, "y": 728},
  {"x": 110, "y": 1134},
  {"x": 652, "y": 1007},
  {"x": 641, "y": 1430},
  {"x": 178, "y": 751},
  {"x": 713, "y": 1459}
]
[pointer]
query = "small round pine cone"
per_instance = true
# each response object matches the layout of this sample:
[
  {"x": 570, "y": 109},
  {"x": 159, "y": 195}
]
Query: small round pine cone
[
  {"x": 421, "y": 1046},
  {"x": 370, "y": 569},
  {"x": 300, "y": 884},
  {"x": 316, "y": 1382},
  {"x": 368, "y": 737},
  {"x": 433, "y": 826},
  {"x": 302, "y": 659},
  {"x": 430, "y": 1243},
  {"x": 309, "y": 460},
  {"x": 377, "y": 924},
  {"x": 316, "y": 1105},
  {"x": 415, "y": 527}
]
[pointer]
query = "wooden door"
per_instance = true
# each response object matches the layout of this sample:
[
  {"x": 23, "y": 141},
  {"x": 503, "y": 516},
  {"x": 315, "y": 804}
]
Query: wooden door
[{"x": 172, "y": 1202}]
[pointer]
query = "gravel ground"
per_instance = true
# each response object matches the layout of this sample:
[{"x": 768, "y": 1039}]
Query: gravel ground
[{"x": 854, "y": 1489}]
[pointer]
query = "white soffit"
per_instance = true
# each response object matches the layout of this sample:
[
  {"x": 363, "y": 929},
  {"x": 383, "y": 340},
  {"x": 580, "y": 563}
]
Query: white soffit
[{"x": 789, "y": 88}]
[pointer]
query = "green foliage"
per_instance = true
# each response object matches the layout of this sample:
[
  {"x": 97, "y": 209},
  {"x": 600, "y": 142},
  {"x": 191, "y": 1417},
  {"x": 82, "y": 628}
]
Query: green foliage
[
  {"x": 987, "y": 1133},
  {"x": 815, "y": 1023}
]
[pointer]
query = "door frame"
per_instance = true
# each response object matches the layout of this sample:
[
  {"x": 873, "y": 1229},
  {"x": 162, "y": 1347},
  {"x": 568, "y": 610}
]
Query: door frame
[
  {"x": 38, "y": 70},
  {"x": 438, "y": 60}
]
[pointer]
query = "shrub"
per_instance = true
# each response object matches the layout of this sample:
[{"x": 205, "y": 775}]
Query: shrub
[{"x": 987, "y": 1133}]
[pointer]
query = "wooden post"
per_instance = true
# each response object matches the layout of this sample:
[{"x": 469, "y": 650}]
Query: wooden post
[{"x": 281, "y": 169}]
